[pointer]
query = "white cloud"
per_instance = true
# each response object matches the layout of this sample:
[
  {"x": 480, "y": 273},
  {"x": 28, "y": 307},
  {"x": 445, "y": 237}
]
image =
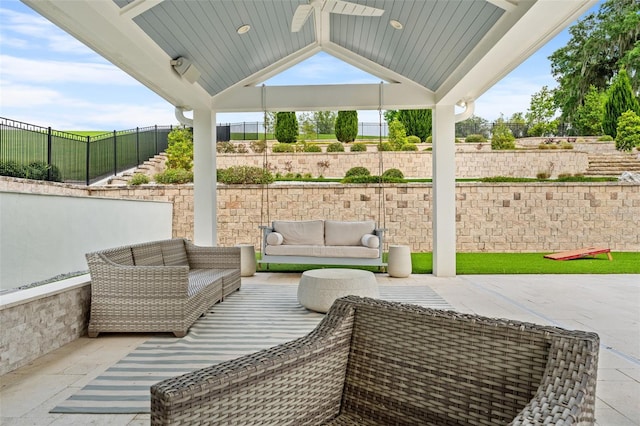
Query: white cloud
[
  {"x": 510, "y": 95},
  {"x": 25, "y": 96}
]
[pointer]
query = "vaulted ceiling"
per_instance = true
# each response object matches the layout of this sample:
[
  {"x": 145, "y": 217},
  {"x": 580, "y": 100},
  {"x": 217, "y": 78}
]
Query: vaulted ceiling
[{"x": 447, "y": 51}]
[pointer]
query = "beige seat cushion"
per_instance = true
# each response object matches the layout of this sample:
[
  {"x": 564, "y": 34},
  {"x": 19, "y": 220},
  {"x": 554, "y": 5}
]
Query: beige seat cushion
[
  {"x": 338, "y": 233},
  {"x": 303, "y": 232}
]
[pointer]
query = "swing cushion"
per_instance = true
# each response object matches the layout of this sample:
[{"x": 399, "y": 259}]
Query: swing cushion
[
  {"x": 339, "y": 233},
  {"x": 275, "y": 239},
  {"x": 370, "y": 240},
  {"x": 302, "y": 232}
]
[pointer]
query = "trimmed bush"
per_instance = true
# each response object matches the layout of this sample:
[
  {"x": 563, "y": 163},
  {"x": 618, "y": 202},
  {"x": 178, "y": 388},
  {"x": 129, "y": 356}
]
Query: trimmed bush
[
  {"x": 605, "y": 138},
  {"x": 258, "y": 146},
  {"x": 174, "y": 176},
  {"x": 139, "y": 179},
  {"x": 283, "y": 147},
  {"x": 413, "y": 139},
  {"x": 475, "y": 138},
  {"x": 312, "y": 148},
  {"x": 357, "y": 171},
  {"x": 502, "y": 138},
  {"x": 385, "y": 146},
  {"x": 566, "y": 145},
  {"x": 628, "y": 135},
  {"x": 346, "y": 126},
  {"x": 335, "y": 147},
  {"x": 180, "y": 149},
  {"x": 393, "y": 173},
  {"x": 543, "y": 175},
  {"x": 371, "y": 179},
  {"x": 36, "y": 170},
  {"x": 226, "y": 147},
  {"x": 409, "y": 147},
  {"x": 244, "y": 175},
  {"x": 429, "y": 139},
  {"x": 358, "y": 147},
  {"x": 286, "y": 130}
]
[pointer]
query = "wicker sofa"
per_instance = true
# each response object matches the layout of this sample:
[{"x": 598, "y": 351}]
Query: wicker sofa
[
  {"x": 160, "y": 286},
  {"x": 371, "y": 362}
]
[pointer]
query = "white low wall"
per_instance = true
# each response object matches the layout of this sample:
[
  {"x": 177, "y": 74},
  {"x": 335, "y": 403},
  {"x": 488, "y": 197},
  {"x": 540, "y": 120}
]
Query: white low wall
[{"x": 42, "y": 236}]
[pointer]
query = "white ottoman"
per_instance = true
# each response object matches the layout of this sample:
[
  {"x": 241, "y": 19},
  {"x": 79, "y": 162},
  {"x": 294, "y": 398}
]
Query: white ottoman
[
  {"x": 319, "y": 288},
  {"x": 247, "y": 260},
  {"x": 399, "y": 261}
]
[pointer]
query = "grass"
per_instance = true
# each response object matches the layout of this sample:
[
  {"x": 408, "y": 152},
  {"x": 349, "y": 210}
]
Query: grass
[{"x": 510, "y": 263}]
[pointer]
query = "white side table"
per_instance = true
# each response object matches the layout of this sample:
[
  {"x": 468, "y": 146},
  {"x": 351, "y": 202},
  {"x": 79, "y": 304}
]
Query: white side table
[
  {"x": 247, "y": 260},
  {"x": 319, "y": 288},
  {"x": 399, "y": 261}
]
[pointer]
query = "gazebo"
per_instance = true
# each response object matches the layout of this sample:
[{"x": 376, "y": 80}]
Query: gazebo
[{"x": 211, "y": 56}]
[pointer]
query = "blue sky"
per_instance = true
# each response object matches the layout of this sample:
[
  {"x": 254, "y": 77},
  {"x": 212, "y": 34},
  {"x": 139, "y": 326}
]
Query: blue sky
[{"x": 49, "y": 78}]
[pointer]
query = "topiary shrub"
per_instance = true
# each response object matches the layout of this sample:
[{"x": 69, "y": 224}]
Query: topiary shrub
[
  {"x": 358, "y": 147},
  {"x": 393, "y": 173},
  {"x": 346, "y": 126},
  {"x": 385, "y": 146},
  {"x": 566, "y": 145},
  {"x": 605, "y": 138},
  {"x": 358, "y": 171},
  {"x": 312, "y": 148},
  {"x": 139, "y": 179},
  {"x": 429, "y": 139},
  {"x": 244, "y": 175},
  {"x": 335, "y": 147},
  {"x": 502, "y": 137},
  {"x": 543, "y": 175},
  {"x": 628, "y": 135},
  {"x": 409, "y": 147},
  {"x": 475, "y": 138},
  {"x": 283, "y": 147},
  {"x": 286, "y": 130},
  {"x": 397, "y": 135},
  {"x": 226, "y": 147},
  {"x": 180, "y": 149},
  {"x": 413, "y": 139},
  {"x": 174, "y": 176}
]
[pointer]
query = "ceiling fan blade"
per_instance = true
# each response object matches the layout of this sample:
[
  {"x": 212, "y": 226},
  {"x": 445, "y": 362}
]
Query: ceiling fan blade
[
  {"x": 348, "y": 8},
  {"x": 300, "y": 17}
]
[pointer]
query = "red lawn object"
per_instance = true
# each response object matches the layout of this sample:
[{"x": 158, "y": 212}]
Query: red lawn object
[{"x": 577, "y": 254}]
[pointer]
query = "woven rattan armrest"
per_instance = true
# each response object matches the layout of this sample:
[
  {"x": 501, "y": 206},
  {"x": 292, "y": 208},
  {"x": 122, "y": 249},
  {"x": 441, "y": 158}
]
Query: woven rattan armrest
[
  {"x": 299, "y": 382},
  {"x": 212, "y": 257}
]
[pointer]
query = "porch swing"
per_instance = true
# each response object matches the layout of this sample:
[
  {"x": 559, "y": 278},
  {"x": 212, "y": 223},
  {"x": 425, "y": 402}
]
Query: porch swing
[{"x": 320, "y": 241}]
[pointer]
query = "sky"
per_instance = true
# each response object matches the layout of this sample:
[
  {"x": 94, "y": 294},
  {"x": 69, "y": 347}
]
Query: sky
[{"x": 48, "y": 78}]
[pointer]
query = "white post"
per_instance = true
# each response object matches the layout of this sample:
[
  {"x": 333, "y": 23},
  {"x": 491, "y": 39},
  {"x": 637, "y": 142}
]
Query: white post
[
  {"x": 444, "y": 186},
  {"x": 204, "y": 178}
]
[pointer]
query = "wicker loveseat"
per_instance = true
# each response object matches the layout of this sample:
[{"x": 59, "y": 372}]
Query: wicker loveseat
[
  {"x": 158, "y": 286},
  {"x": 371, "y": 362}
]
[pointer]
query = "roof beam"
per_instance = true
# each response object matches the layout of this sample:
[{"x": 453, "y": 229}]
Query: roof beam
[
  {"x": 138, "y": 7},
  {"x": 503, "y": 4}
]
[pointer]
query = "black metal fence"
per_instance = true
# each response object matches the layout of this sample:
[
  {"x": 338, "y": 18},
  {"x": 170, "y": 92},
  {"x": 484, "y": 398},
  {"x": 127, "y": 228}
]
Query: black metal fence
[
  {"x": 255, "y": 130},
  {"x": 519, "y": 130},
  {"x": 80, "y": 159}
]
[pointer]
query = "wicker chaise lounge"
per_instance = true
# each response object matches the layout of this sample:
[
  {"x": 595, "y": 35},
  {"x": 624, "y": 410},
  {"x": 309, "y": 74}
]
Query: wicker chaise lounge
[
  {"x": 371, "y": 362},
  {"x": 160, "y": 286}
]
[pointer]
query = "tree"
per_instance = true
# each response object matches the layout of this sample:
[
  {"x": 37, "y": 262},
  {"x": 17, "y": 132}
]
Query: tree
[
  {"x": 325, "y": 121},
  {"x": 600, "y": 45},
  {"x": 628, "y": 135},
  {"x": 397, "y": 134},
  {"x": 541, "y": 112},
  {"x": 620, "y": 98},
  {"x": 588, "y": 119},
  {"x": 308, "y": 126},
  {"x": 180, "y": 149},
  {"x": 270, "y": 121},
  {"x": 417, "y": 122},
  {"x": 286, "y": 128},
  {"x": 390, "y": 115},
  {"x": 502, "y": 137},
  {"x": 473, "y": 125},
  {"x": 347, "y": 126}
]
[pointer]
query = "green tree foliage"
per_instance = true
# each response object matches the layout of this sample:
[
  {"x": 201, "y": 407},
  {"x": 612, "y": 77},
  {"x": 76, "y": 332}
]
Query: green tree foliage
[
  {"x": 347, "y": 126},
  {"x": 601, "y": 44},
  {"x": 541, "y": 112},
  {"x": 588, "y": 118},
  {"x": 417, "y": 122},
  {"x": 473, "y": 125},
  {"x": 308, "y": 126},
  {"x": 397, "y": 135},
  {"x": 502, "y": 137},
  {"x": 620, "y": 98},
  {"x": 390, "y": 115},
  {"x": 286, "y": 130},
  {"x": 180, "y": 149},
  {"x": 628, "y": 135},
  {"x": 325, "y": 121}
]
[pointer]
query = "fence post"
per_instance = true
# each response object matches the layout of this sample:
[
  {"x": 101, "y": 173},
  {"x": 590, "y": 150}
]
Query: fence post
[
  {"x": 49, "y": 154},
  {"x": 87, "y": 169},
  {"x": 115, "y": 153},
  {"x": 138, "y": 144},
  {"x": 156, "y": 138}
]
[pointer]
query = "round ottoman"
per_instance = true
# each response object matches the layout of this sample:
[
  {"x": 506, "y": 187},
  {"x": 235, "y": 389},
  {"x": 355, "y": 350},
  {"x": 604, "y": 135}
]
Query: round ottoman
[{"x": 319, "y": 288}]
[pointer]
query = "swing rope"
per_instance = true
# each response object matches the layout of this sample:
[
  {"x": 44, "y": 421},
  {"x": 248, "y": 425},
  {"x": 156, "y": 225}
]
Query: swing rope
[
  {"x": 264, "y": 196},
  {"x": 381, "y": 212}
]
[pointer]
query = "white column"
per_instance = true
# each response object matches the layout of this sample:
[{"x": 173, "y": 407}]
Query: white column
[
  {"x": 444, "y": 185},
  {"x": 204, "y": 178}
]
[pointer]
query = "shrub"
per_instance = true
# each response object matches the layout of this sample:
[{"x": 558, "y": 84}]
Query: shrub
[
  {"x": 226, "y": 147},
  {"x": 283, "y": 147},
  {"x": 139, "y": 179},
  {"x": 385, "y": 146},
  {"x": 12, "y": 169},
  {"x": 371, "y": 179},
  {"x": 544, "y": 146},
  {"x": 335, "y": 147},
  {"x": 358, "y": 147},
  {"x": 346, "y": 126},
  {"x": 393, "y": 173},
  {"x": 413, "y": 139},
  {"x": 286, "y": 130},
  {"x": 258, "y": 146},
  {"x": 39, "y": 170},
  {"x": 244, "y": 175},
  {"x": 180, "y": 149},
  {"x": 397, "y": 135},
  {"x": 566, "y": 145},
  {"x": 312, "y": 148},
  {"x": 543, "y": 175},
  {"x": 241, "y": 148},
  {"x": 357, "y": 171},
  {"x": 605, "y": 138},
  {"x": 620, "y": 98},
  {"x": 628, "y": 135},
  {"x": 502, "y": 137},
  {"x": 475, "y": 138},
  {"x": 416, "y": 121},
  {"x": 174, "y": 176},
  {"x": 429, "y": 139},
  {"x": 409, "y": 147}
]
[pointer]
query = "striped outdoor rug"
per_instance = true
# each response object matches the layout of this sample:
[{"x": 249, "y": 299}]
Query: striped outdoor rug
[{"x": 257, "y": 317}]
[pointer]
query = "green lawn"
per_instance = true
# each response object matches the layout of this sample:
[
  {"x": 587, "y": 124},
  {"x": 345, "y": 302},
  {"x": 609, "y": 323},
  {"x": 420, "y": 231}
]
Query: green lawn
[{"x": 511, "y": 263}]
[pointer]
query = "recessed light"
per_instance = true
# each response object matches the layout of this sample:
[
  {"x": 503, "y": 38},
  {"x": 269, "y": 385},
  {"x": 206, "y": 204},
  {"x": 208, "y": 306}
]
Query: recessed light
[
  {"x": 395, "y": 24},
  {"x": 243, "y": 29}
]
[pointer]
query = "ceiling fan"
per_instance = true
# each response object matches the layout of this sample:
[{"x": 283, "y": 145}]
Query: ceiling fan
[{"x": 333, "y": 6}]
